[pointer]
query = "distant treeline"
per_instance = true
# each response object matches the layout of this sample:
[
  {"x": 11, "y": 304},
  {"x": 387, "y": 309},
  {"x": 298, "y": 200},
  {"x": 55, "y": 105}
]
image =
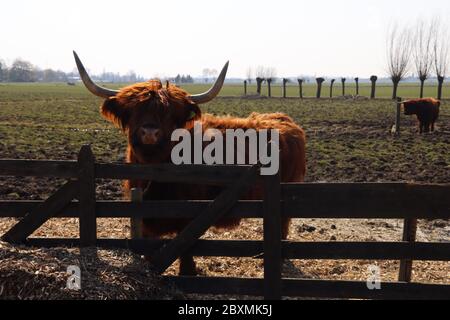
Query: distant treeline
[{"x": 24, "y": 71}]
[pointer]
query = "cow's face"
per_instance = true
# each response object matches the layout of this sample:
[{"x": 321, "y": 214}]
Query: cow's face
[
  {"x": 409, "y": 107},
  {"x": 148, "y": 113}
]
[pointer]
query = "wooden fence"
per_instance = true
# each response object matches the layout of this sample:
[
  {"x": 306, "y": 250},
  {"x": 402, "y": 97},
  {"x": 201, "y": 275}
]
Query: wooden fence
[{"x": 330, "y": 200}]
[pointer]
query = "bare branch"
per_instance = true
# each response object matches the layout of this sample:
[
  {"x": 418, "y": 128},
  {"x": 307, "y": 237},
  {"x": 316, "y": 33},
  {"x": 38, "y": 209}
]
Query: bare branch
[
  {"x": 423, "y": 48},
  {"x": 440, "y": 48},
  {"x": 398, "y": 52}
]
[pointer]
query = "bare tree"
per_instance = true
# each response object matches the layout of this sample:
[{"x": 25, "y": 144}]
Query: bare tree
[
  {"x": 423, "y": 51},
  {"x": 270, "y": 73},
  {"x": 440, "y": 54},
  {"x": 319, "y": 86},
  {"x": 22, "y": 71},
  {"x": 213, "y": 73},
  {"x": 205, "y": 73},
  {"x": 260, "y": 74},
  {"x": 398, "y": 54},
  {"x": 249, "y": 75}
]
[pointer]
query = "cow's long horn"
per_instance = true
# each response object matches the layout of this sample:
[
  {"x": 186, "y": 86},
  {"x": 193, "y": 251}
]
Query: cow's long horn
[
  {"x": 90, "y": 85},
  {"x": 214, "y": 90}
]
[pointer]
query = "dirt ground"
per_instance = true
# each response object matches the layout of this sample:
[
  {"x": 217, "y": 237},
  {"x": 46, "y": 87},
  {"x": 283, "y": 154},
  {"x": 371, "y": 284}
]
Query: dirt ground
[
  {"x": 339, "y": 150},
  {"x": 36, "y": 273}
]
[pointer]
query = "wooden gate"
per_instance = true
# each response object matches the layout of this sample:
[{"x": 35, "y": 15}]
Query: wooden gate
[{"x": 76, "y": 198}]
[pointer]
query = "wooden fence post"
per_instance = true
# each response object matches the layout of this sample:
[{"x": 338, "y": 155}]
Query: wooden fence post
[
  {"x": 357, "y": 85},
  {"x": 319, "y": 87},
  {"x": 136, "y": 223},
  {"x": 397, "y": 115},
  {"x": 86, "y": 179},
  {"x": 331, "y": 88},
  {"x": 245, "y": 87},
  {"x": 409, "y": 235},
  {"x": 343, "y": 86},
  {"x": 373, "y": 80},
  {"x": 284, "y": 87},
  {"x": 300, "y": 88},
  {"x": 272, "y": 238}
]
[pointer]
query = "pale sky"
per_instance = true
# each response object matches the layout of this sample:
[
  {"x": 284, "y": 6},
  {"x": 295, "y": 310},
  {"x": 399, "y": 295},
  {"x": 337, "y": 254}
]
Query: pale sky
[{"x": 164, "y": 38}]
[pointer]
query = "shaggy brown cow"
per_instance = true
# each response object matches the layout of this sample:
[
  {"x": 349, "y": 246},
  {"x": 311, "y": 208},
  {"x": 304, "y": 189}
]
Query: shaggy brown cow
[
  {"x": 427, "y": 111},
  {"x": 149, "y": 112}
]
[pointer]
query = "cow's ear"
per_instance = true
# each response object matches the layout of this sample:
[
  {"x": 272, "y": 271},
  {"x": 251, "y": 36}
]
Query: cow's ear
[
  {"x": 194, "y": 112},
  {"x": 188, "y": 114},
  {"x": 113, "y": 111}
]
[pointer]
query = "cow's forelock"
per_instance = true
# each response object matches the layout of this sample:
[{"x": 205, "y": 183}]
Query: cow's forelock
[{"x": 146, "y": 107}]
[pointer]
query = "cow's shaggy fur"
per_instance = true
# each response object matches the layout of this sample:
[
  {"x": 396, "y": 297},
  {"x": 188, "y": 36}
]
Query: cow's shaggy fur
[
  {"x": 157, "y": 103},
  {"x": 426, "y": 110}
]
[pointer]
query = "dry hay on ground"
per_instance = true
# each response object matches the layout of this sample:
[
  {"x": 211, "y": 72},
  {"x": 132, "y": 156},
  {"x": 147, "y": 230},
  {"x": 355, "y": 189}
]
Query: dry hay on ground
[
  {"x": 40, "y": 274},
  {"x": 301, "y": 230},
  {"x": 348, "y": 141}
]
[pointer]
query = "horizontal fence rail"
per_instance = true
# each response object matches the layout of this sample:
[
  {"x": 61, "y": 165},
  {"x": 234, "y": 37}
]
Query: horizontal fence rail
[
  {"x": 311, "y": 288},
  {"x": 309, "y": 200},
  {"x": 290, "y": 250},
  {"x": 366, "y": 200},
  {"x": 200, "y": 174},
  {"x": 407, "y": 201}
]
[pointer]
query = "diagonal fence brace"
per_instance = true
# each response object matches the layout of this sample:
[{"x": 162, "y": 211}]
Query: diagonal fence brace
[
  {"x": 44, "y": 211},
  {"x": 166, "y": 255}
]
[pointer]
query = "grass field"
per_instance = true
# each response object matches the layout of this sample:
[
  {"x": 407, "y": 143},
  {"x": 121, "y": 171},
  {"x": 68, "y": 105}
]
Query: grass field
[
  {"x": 309, "y": 90},
  {"x": 406, "y": 90},
  {"x": 347, "y": 140}
]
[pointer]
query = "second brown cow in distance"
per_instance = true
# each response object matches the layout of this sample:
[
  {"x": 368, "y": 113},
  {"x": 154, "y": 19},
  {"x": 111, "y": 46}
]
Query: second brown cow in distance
[
  {"x": 149, "y": 112},
  {"x": 426, "y": 110}
]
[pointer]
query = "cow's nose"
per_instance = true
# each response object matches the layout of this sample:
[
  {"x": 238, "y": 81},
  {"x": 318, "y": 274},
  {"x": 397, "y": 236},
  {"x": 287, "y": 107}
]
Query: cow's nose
[{"x": 150, "y": 135}]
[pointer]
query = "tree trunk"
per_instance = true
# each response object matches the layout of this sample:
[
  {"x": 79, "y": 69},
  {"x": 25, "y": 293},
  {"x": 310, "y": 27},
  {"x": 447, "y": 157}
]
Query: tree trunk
[
  {"x": 319, "y": 87},
  {"x": 373, "y": 79},
  {"x": 300, "y": 88},
  {"x": 422, "y": 83},
  {"x": 269, "y": 91},
  {"x": 394, "y": 91},
  {"x": 258, "y": 85},
  {"x": 440, "y": 83},
  {"x": 331, "y": 88}
]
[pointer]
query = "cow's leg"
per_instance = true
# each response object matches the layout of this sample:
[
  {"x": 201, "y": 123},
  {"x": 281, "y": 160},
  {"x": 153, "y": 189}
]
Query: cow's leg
[
  {"x": 432, "y": 126},
  {"x": 187, "y": 266},
  {"x": 421, "y": 127},
  {"x": 285, "y": 222},
  {"x": 427, "y": 127}
]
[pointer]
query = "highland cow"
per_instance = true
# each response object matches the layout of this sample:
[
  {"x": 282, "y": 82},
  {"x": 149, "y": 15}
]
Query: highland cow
[
  {"x": 426, "y": 110},
  {"x": 149, "y": 112}
]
